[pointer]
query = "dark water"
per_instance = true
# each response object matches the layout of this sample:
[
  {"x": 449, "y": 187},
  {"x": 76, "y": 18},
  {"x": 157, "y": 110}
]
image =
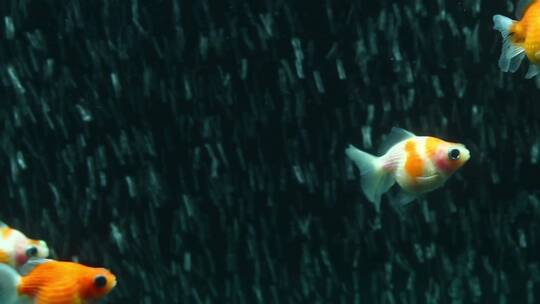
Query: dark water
[{"x": 196, "y": 148}]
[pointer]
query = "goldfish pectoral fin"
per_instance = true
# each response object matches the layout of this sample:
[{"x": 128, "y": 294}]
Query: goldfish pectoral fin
[
  {"x": 31, "y": 264},
  {"x": 533, "y": 71},
  {"x": 428, "y": 179},
  {"x": 9, "y": 281}
]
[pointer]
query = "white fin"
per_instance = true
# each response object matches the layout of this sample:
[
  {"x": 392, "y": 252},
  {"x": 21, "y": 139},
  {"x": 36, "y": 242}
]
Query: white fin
[
  {"x": 511, "y": 54},
  {"x": 9, "y": 280},
  {"x": 375, "y": 181},
  {"x": 515, "y": 62},
  {"x": 31, "y": 264},
  {"x": 521, "y": 6},
  {"x": 402, "y": 200},
  {"x": 395, "y": 136},
  {"x": 533, "y": 71}
]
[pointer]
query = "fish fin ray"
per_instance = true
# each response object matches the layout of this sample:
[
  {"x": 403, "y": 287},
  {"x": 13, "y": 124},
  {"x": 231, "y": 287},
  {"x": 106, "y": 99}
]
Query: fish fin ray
[
  {"x": 511, "y": 54},
  {"x": 395, "y": 136},
  {"x": 62, "y": 291}
]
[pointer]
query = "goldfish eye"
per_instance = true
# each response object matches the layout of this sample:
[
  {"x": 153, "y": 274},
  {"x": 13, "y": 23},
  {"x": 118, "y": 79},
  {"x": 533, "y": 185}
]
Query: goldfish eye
[
  {"x": 31, "y": 252},
  {"x": 100, "y": 281},
  {"x": 454, "y": 154}
]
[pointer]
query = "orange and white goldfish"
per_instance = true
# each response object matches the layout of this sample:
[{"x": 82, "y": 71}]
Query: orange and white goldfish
[
  {"x": 16, "y": 248},
  {"x": 44, "y": 281},
  {"x": 521, "y": 38},
  {"x": 419, "y": 164}
]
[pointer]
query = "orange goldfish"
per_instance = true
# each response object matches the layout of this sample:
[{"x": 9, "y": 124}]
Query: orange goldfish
[
  {"x": 54, "y": 282},
  {"x": 418, "y": 164},
  {"x": 520, "y": 38},
  {"x": 16, "y": 248}
]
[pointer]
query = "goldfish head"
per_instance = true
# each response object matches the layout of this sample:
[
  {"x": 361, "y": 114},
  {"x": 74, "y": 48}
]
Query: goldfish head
[
  {"x": 31, "y": 249},
  {"x": 450, "y": 157},
  {"x": 37, "y": 249},
  {"x": 96, "y": 283}
]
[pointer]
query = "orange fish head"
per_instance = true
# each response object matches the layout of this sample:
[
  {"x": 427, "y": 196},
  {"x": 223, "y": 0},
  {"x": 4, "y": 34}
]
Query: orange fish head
[
  {"x": 450, "y": 157},
  {"x": 95, "y": 283}
]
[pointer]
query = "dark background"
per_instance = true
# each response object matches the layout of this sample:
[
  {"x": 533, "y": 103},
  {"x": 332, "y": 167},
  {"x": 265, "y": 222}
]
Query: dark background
[{"x": 196, "y": 148}]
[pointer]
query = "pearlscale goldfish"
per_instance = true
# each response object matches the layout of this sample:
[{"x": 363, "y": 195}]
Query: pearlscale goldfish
[
  {"x": 521, "y": 38},
  {"x": 54, "y": 282},
  {"x": 16, "y": 248},
  {"x": 419, "y": 164}
]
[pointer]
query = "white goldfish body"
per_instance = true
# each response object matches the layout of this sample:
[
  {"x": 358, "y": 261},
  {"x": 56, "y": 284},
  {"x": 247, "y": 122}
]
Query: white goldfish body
[
  {"x": 419, "y": 164},
  {"x": 16, "y": 249}
]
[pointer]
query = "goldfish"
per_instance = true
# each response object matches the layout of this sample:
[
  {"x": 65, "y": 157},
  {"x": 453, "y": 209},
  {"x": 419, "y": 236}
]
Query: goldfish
[
  {"x": 16, "y": 248},
  {"x": 521, "y": 38},
  {"x": 418, "y": 164},
  {"x": 45, "y": 281}
]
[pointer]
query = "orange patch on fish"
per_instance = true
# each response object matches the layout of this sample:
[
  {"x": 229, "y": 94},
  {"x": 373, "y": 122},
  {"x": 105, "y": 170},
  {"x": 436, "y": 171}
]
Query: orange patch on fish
[
  {"x": 526, "y": 32},
  {"x": 431, "y": 146},
  {"x": 33, "y": 242},
  {"x": 6, "y": 232},
  {"x": 4, "y": 257},
  {"x": 414, "y": 164}
]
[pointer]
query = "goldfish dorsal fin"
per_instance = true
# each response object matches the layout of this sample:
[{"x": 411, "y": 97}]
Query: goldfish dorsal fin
[
  {"x": 521, "y": 7},
  {"x": 31, "y": 264},
  {"x": 396, "y": 135}
]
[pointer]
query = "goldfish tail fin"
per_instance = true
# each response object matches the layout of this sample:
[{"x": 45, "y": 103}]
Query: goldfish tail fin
[
  {"x": 521, "y": 7},
  {"x": 511, "y": 54},
  {"x": 375, "y": 180},
  {"x": 9, "y": 281}
]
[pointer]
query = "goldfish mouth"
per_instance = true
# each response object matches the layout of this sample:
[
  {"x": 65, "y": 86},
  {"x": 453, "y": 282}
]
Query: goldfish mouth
[{"x": 466, "y": 155}]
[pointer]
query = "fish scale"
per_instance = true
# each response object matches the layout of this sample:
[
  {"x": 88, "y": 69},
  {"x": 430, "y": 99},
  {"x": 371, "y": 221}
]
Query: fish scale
[{"x": 532, "y": 40}]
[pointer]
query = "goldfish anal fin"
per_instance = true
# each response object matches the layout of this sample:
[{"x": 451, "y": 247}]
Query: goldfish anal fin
[
  {"x": 62, "y": 291},
  {"x": 396, "y": 135},
  {"x": 521, "y": 7}
]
